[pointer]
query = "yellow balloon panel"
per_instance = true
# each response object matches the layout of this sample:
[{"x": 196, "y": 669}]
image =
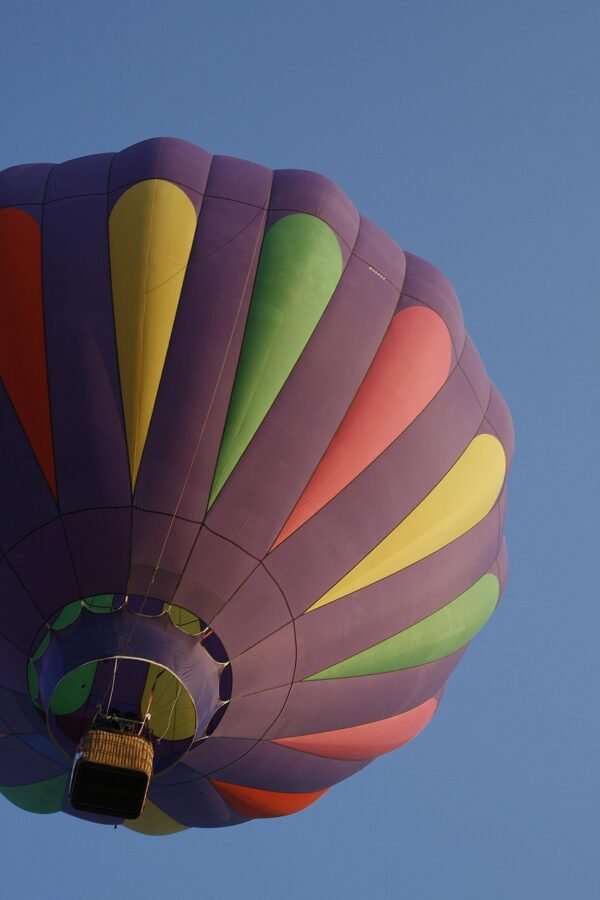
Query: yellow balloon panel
[
  {"x": 172, "y": 711},
  {"x": 151, "y": 229},
  {"x": 457, "y": 503},
  {"x": 154, "y": 821}
]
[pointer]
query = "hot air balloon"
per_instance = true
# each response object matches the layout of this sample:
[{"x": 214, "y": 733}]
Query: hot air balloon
[{"x": 252, "y": 488}]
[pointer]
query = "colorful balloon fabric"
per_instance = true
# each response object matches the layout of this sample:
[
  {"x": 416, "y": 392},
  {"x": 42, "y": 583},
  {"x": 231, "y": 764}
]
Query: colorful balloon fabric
[{"x": 252, "y": 475}]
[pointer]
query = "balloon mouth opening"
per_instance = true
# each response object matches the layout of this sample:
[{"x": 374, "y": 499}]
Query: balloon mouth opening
[
  {"x": 127, "y": 690},
  {"x": 130, "y": 660}
]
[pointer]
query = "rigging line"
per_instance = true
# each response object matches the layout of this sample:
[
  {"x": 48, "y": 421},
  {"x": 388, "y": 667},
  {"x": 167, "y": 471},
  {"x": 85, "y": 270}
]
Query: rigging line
[
  {"x": 151, "y": 697},
  {"x": 257, "y": 245},
  {"x": 112, "y": 687},
  {"x": 179, "y": 686}
]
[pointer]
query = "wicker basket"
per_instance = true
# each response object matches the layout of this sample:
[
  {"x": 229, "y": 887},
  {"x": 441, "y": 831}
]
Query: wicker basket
[
  {"x": 111, "y": 773},
  {"x": 114, "y": 748}
]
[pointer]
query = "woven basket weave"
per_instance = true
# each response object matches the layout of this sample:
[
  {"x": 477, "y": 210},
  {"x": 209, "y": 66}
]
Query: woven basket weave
[{"x": 114, "y": 748}]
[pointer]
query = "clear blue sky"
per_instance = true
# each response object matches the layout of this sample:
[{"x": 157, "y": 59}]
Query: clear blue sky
[{"x": 470, "y": 131}]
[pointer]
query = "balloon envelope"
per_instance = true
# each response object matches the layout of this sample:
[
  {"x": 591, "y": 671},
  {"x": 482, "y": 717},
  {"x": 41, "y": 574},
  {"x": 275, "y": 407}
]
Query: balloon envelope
[{"x": 252, "y": 475}]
